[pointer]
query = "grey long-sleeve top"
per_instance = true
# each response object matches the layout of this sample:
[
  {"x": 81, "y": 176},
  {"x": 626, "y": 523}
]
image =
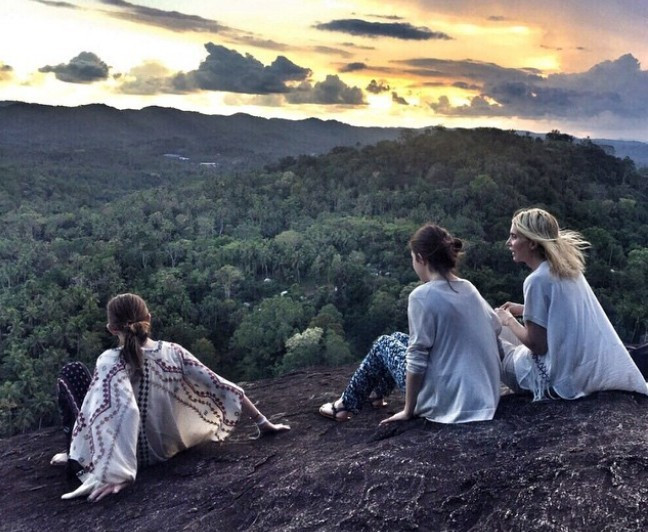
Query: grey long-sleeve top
[{"x": 453, "y": 341}]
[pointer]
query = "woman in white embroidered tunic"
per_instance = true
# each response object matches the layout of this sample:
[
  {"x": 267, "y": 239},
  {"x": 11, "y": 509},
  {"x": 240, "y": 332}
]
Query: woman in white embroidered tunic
[
  {"x": 566, "y": 347},
  {"x": 449, "y": 365},
  {"x": 147, "y": 401}
]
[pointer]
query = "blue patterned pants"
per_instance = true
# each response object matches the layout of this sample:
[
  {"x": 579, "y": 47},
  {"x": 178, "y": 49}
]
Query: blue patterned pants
[{"x": 380, "y": 372}]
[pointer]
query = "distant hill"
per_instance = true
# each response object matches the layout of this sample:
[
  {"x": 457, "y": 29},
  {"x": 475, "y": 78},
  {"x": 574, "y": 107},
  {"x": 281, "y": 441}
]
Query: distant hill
[
  {"x": 158, "y": 130},
  {"x": 637, "y": 151},
  {"x": 239, "y": 140}
]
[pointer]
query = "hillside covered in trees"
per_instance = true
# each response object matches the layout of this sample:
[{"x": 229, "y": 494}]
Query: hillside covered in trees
[{"x": 303, "y": 262}]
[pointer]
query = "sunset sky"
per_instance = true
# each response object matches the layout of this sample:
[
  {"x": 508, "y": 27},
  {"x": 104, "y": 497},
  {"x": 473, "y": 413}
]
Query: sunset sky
[{"x": 580, "y": 66}]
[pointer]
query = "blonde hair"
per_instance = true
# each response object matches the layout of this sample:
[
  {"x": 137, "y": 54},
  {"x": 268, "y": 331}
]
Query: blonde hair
[{"x": 563, "y": 249}]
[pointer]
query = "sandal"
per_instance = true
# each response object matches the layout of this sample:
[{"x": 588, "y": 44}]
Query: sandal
[{"x": 330, "y": 411}]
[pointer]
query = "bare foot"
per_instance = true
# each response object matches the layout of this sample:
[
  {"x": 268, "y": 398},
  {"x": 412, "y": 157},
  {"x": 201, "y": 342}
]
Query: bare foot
[{"x": 267, "y": 427}]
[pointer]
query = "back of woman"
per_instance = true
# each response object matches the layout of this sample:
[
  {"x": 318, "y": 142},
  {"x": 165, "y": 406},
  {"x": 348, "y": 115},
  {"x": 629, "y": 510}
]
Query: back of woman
[
  {"x": 462, "y": 376},
  {"x": 449, "y": 364},
  {"x": 584, "y": 352}
]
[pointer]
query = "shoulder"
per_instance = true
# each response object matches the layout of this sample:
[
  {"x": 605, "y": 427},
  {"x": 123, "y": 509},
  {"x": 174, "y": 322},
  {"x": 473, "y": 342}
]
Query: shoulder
[{"x": 109, "y": 358}]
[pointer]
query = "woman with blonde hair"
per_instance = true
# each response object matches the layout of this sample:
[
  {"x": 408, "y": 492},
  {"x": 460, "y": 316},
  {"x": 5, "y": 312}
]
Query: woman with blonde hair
[
  {"x": 147, "y": 401},
  {"x": 565, "y": 346}
]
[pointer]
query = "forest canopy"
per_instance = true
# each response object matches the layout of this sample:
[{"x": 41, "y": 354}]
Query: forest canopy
[{"x": 300, "y": 263}]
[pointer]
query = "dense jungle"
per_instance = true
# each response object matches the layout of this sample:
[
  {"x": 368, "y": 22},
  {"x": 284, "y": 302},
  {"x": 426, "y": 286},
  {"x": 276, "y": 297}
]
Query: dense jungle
[{"x": 302, "y": 261}]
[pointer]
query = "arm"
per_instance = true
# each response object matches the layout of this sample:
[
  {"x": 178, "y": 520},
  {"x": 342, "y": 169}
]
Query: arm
[
  {"x": 105, "y": 433},
  {"x": 516, "y": 309},
  {"x": 530, "y": 334},
  {"x": 264, "y": 426},
  {"x": 413, "y": 383}
]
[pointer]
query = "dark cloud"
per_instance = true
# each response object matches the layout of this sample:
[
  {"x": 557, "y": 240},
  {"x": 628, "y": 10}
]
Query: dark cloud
[
  {"x": 252, "y": 40},
  {"x": 328, "y": 50},
  {"x": 84, "y": 68},
  {"x": 331, "y": 91},
  {"x": 468, "y": 69},
  {"x": 228, "y": 70},
  {"x": 182, "y": 22},
  {"x": 376, "y": 87},
  {"x": 399, "y": 99},
  {"x": 65, "y": 5},
  {"x": 466, "y": 86},
  {"x": 497, "y": 18},
  {"x": 357, "y": 46},
  {"x": 386, "y": 17},
  {"x": 397, "y": 30},
  {"x": 171, "y": 20},
  {"x": 353, "y": 67},
  {"x": 617, "y": 88}
]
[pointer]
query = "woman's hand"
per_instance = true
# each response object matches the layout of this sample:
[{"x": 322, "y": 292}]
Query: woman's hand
[
  {"x": 505, "y": 316},
  {"x": 94, "y": 489},
  {"x": 516, "y": 309},
  {"x": 106, "y": 489},
  {"x": 398, "y": 416}
]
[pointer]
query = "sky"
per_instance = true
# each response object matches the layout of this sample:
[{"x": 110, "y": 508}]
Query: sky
[{"x": 579, "y": 66}]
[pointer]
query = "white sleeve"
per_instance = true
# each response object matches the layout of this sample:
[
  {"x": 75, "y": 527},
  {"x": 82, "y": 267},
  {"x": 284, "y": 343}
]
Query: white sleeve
[
  {"x": 421, "y": 336},
  {"x": 104, "y": 439}
]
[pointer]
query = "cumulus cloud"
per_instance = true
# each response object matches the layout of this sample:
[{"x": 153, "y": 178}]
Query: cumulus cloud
[
  {"x": 6, "y": 72},
  {"x": 616, "y": 87},
  {"x": 396, "y": 30},
  {"x": 353, "y": 67},
  {"x": 148, "y": 78},
  {"x": 228, "y": 70},
  {"x": 376, "y": 87},
  {"x": 331, "y": 91},
  {"x": 84, "y": 68}
]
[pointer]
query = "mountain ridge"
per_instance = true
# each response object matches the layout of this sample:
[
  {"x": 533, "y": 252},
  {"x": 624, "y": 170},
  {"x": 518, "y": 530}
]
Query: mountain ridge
[{"x": 202, "y": 135}]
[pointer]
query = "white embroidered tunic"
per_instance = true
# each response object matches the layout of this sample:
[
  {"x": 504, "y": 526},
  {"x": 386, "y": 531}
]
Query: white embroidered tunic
[{"x": 127, "y": 420}]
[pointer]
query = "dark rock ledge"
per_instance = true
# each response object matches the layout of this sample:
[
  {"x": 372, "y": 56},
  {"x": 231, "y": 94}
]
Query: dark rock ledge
[{"x": 580, "y": 465}]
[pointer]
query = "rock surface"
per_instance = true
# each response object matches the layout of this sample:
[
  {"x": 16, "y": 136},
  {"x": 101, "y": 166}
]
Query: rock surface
[{"x": 555, "y": 465}]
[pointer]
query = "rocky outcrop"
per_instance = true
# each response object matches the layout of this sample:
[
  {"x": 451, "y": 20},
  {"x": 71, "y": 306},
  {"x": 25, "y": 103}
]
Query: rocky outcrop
[{"x": 555, "y": 465}]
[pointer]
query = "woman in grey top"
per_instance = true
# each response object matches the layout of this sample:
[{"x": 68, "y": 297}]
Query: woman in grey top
[{"x": 449, "y": 365}]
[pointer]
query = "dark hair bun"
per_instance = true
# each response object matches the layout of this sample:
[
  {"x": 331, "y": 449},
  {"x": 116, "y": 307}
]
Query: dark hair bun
[{"x": 457, "y": 244}]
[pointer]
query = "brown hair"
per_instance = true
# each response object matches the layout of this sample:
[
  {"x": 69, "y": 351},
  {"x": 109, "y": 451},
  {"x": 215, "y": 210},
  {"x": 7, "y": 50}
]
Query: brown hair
[
  {"x": 438, "y": 248},
  {"x": 563, "y": 249},
  {"x": 129, "y": 314}
]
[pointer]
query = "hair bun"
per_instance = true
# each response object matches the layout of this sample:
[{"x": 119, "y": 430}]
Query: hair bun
[{"x": 457, "y": 244}]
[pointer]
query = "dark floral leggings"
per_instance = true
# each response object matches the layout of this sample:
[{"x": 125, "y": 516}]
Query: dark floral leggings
[
  {"x": 380, "y": 372},
  {"x": 72, "y": 386}
]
